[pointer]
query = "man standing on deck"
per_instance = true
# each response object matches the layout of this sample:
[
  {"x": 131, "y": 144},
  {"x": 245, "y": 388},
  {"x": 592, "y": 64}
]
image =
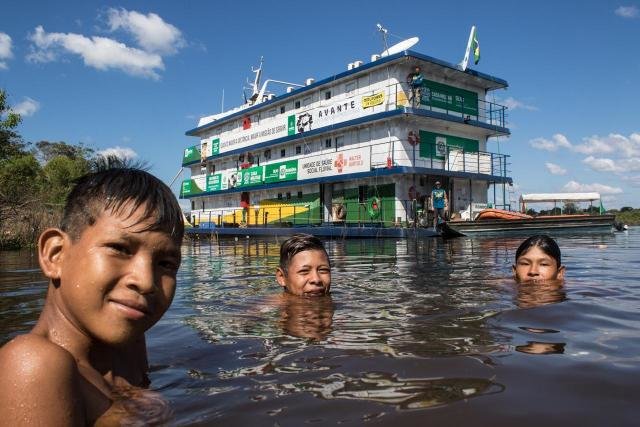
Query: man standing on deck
[{"x": 439, "y": 203}]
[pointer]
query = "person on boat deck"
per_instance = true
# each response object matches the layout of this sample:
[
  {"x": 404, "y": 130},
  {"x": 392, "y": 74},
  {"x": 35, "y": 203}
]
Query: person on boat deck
[
  {"x": 304, "y": 269},
  {"x": 112, "y": 268},
  {"x": 538, "y": 259},
  {"x": 439, "y": 203},
  {"x": 415, "y": 80}
]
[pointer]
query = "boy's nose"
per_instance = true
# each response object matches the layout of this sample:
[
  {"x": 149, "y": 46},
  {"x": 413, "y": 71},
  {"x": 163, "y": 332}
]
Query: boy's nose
[
  {"x": 533, "y": 270},
  {"x": 142, "y": 276}
]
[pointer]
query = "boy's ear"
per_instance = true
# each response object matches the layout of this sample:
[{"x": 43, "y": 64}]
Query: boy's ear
[
  {"x": 280, "y": 277},
  {"x": 50, "y": 248},
  {"x": 513, "y": 270},
  {"x": 560, "y": 274}
]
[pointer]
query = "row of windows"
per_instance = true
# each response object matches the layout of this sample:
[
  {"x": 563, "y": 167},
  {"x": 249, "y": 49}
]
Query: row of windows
[{"x": 350, "y": 87}]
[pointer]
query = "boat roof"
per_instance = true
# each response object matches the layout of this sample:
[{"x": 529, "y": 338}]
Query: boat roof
[
  {"x": 482, "y": 80},
  {"x": 560, "y": 197}
]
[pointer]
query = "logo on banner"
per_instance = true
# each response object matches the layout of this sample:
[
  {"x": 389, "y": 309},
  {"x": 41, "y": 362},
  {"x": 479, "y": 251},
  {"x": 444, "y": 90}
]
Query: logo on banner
[
  {"x": 339, "y": 163},
  {"x": 304, "y": 122},
  {"x": 441, "y": 146}
]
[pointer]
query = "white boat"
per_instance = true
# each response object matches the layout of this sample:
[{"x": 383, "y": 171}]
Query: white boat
[{"x": 354, "y": 153}]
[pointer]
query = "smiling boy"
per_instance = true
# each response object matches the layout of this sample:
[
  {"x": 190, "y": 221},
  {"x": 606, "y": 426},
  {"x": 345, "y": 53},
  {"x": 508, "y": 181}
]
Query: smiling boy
[
  {"x": 112, "y": 268},
  {"x": 304, "y": 268}
]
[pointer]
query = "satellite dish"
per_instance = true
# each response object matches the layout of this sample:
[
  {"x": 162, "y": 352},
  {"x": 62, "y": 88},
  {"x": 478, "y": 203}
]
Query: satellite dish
[{"x": 399, "y": 47}]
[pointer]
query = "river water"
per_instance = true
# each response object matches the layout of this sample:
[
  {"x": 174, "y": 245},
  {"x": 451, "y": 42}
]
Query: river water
[{"x": 415, "y": 332}]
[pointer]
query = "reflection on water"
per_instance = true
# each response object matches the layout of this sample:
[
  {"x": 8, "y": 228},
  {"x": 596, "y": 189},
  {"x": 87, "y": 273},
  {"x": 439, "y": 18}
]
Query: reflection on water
[{"x": 410, "y": 324}]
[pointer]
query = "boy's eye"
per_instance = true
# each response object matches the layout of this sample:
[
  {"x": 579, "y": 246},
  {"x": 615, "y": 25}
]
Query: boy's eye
[
  {"x": 119, "y": 248},
  {"x": 169, "y": 264}
]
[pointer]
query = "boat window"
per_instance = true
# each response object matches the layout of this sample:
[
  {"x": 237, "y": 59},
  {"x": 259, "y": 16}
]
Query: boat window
[
  {"x": 340, "y": 141},
  {"x": 299, "y": 194},
  {"x": 271, "y": 113},
  {"x": 327, "y": 143},
  {"x": 298, "y": 149},
  {"x": 279, "y": 196},
  {"x": 306, "y": 101},
  {"x": 288, "y": 195},
  {"x": 362, "y": 193},
  {"x": 267, "y": 154},
  {"x": 364, "y": 135},
  {"x": 193, "y": 205},
  {"x": 297, "y": 104},
  {"x": 283, "y": 152},
  {"x": 350, "y": 87},
  {"x": 327, "y": 95},
  {"x": 211, "y": 168},
  {"x": 283, "y": 109}
]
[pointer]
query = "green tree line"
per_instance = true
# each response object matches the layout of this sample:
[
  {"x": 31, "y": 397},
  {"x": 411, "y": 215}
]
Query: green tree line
[{"x": 35, "y": 179}]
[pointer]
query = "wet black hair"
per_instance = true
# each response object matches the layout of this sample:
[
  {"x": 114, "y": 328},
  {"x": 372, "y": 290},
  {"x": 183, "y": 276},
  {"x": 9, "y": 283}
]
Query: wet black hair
[
  {"x": 110, "y": 190},
  {"x": 546, "y": 245},
  {"x": 298, "y": 243}
]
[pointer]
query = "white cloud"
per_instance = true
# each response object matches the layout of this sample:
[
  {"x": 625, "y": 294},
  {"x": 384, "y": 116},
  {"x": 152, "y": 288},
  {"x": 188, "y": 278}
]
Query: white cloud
[
  {"x": 555, "y": 169},
  {"x": 627, "y": 11},
  {"x": 5, "y": 50},
  {"x": 150, "y": 31},
  {"x": 98, "y": 52},
  {"x": 557, "y": 141},
  {"x": 514, "y": 104},
  {"x": 627, "y": 146},
  {"x": 630, "y": 164},
  {"x": 120, "y": 152},
  {"x": 26, "y": 108},
  {"x": 573, "y": 186}
]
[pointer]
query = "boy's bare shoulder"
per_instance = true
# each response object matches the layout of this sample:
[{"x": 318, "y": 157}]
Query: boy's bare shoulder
[
  {"x": 32, "y": 352},
  {"x": 34, "y": 366}
]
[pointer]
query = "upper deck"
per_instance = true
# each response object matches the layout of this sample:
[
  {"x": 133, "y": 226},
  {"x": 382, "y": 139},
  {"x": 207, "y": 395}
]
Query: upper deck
[{"x": 366, "y": 93}]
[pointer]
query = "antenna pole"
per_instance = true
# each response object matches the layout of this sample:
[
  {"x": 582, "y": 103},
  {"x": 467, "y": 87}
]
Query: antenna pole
[{"x": 384, "y": 32}]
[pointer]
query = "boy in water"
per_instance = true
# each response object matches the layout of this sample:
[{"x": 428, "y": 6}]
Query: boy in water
[
  {"x": 112, "y": 268},
  {"x": 538, "y": 259},
  {"x": 304, "y": 268}
]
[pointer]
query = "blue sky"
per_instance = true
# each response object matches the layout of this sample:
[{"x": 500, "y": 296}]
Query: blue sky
[{"x": 134, "y": 76}]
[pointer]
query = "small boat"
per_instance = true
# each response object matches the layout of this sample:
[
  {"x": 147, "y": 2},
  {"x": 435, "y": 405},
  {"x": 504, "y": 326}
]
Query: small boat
[{"x": 503, "y": 221}]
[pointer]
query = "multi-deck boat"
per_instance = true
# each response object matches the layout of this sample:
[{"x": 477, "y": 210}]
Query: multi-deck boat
[{"x": 353, "y": 154}]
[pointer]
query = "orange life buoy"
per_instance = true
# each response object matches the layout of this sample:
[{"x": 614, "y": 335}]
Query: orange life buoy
[{"x": 413, "y": 138}]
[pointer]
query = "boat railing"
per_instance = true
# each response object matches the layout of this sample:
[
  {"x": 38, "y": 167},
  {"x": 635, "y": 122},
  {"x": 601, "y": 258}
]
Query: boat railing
[
  {"x": 453, "y": 104},
  {"x": 401, "y": 153},
  {"x": 345, "y": 214}
]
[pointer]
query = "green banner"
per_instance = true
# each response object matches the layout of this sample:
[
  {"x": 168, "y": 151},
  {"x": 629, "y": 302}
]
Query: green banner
[
  {"x": 215, "y": 146},
  {"x": 291, "y": 125},
  {"x": 214, "y": 182},
  {"x": 250, "y": 176},
  {"x": 191, "y": 155},
  {"x": 189, "y": 188},
  {"x": 283, "y": 171},
  {"x": 436, "y": 144},
  {"x": 449, "y": 98}
]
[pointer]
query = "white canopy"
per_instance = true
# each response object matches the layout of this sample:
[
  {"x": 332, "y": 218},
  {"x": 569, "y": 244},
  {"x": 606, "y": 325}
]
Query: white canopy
[{"x": 559, "y": 197}]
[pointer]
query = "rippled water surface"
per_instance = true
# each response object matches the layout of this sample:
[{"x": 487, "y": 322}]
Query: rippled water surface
[{"x": 415, "y": 332}]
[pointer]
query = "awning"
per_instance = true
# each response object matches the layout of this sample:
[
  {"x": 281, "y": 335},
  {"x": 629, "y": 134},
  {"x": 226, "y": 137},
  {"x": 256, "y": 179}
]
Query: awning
[{"x": 559, "y": 197}]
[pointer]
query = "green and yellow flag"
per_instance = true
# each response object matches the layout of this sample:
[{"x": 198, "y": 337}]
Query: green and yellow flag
[{"x": 475, "y": 46}]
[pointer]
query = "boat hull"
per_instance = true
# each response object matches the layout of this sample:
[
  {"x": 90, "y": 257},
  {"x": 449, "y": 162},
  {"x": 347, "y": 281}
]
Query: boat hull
[{"x": 580, "y": 223}]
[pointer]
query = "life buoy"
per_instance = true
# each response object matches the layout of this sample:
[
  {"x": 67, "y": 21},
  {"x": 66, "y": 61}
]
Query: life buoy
[
  {"x": 341, "y": 212},
  {"x": 413, "y": 138},
  {"x": 374, "y": 208}
]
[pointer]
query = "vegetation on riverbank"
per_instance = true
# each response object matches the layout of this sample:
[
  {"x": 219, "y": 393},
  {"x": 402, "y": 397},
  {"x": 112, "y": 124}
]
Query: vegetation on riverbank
[
  {"x": 35, "y": 180},
  {"x": 626, "y": 215}
]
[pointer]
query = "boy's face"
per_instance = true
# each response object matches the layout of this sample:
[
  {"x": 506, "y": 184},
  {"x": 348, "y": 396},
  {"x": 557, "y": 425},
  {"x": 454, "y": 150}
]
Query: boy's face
[
  {"x": 309, "y": 274},
  {"x": 116, "y": 281},
  {"x": 536, "y": 266}
]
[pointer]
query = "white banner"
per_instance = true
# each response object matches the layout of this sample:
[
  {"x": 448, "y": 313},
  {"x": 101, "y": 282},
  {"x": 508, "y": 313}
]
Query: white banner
[{"x": 331, "y": 164}]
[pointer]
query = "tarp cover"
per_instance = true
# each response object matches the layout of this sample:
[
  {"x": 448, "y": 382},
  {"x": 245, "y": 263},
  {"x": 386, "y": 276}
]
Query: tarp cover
[{"x": 559, "y": 197}]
